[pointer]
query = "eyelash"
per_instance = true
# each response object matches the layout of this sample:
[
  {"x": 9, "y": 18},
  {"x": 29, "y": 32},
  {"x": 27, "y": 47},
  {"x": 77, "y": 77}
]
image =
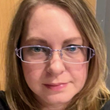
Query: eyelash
[{"x": 73, "y": 45}]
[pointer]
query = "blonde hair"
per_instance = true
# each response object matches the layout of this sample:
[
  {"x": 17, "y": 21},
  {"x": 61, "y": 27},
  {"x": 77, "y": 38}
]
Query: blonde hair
[{"x": 94, "y": 94}]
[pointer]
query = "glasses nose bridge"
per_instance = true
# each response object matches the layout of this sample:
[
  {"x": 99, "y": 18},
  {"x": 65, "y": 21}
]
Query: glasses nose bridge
[{"x": 57, "y": 50}]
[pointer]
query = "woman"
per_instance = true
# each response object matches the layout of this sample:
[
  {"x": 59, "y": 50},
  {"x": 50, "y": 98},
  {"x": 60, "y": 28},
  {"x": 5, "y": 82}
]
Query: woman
[{"x": 56, "y": 58}]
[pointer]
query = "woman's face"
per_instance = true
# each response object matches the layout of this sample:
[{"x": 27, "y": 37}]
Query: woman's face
[{"x": 54, "y": 82}]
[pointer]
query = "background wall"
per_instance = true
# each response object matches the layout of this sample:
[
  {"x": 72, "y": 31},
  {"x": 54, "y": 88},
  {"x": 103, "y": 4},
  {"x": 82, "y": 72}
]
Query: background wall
[
  {"x": 7, "y": 10},
  {"x": 103, "y": 17}
]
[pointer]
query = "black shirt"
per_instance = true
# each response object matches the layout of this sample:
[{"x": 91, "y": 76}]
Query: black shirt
[
  {"x": 4, "y": 105},
  {"x": 3, "y": 102}
]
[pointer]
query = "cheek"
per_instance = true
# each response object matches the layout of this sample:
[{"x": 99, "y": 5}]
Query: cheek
[
  {"x": 32, "y": 72},
  {"x": 79, "y": 74}
]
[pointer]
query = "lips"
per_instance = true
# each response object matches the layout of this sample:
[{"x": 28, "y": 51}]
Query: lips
[{"x": 56, "y": 86}]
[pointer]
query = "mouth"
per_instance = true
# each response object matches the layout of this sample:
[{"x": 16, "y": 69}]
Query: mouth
[{"x": 56, "y": 86}]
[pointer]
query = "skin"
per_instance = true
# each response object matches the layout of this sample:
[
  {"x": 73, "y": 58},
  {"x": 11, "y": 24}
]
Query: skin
[{"x": 53, "y": 27}]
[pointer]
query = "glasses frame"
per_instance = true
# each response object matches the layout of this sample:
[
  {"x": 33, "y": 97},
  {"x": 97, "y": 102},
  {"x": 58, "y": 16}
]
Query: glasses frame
[{"x": 53, "y": 50}]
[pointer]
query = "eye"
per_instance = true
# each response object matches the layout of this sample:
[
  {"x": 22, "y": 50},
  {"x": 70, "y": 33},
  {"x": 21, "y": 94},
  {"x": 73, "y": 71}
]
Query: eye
[
  {"x": 39, "y": 50},
  {"x": 72, "y": 48},
  {"x": 36, "y": 49}
]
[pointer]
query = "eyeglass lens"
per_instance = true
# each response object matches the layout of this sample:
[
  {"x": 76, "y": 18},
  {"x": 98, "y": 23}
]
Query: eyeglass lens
[{"x": 72, "y": 54}]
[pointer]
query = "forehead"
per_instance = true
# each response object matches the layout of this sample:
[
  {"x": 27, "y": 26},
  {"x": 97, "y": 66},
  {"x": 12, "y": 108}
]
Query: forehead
[{"x": 50, "y": 23}]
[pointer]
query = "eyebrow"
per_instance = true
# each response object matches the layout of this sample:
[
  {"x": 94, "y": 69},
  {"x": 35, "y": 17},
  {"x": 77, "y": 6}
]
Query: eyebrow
[
  {"x": 72, "y": 39},
  {"x": 36, "y": 40},
  {"x": 43, "y": 41}
]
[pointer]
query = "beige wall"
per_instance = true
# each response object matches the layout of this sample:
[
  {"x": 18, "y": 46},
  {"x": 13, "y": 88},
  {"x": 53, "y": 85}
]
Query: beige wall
[
  {"x": 92, "y": 4},
  {"x": 7, "y": 8}
]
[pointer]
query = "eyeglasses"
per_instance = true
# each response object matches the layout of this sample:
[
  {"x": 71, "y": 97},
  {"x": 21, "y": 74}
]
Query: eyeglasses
[{"x": 39, "y": 54}]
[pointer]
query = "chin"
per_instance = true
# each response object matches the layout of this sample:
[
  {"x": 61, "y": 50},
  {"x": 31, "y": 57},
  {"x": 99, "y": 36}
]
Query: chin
[{"x": 57, "y": 99}]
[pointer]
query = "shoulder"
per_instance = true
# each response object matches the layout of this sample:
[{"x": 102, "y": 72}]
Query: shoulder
[
  {"x": 3, "y": 102},
  {"x": 106, "y": 106}
]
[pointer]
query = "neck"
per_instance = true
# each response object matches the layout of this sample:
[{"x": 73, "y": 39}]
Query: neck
[{"x": 55, "y": 107}]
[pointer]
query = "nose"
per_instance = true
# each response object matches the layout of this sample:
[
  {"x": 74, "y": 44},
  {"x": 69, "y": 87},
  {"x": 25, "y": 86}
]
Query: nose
[{"x": 56, "y": 65}]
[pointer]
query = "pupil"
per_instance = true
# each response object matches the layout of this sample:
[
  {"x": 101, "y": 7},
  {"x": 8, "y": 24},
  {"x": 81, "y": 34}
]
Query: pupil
[
  {"x": 72, "y": 48},
  {"x": 36, "y": 49}
]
